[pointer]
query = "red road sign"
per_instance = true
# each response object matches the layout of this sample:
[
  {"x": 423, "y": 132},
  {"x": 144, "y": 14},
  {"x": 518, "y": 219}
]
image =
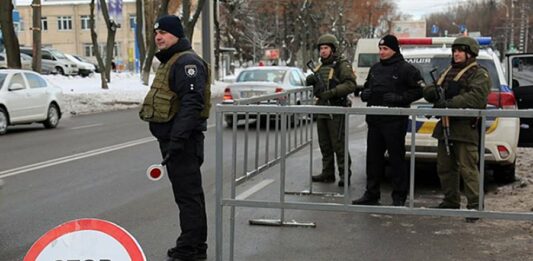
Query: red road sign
[{"x": 86, "y": 239}]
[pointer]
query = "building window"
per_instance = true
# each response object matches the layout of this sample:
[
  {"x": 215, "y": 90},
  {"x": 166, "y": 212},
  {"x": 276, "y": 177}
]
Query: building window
[
  {"x": 88, "y": 50},
  {"x": 133, "y": 22},
  {"x": 85, "y": 22},
  {"x": 44, "y": 23},
  {"x": 64, "y": 23}
]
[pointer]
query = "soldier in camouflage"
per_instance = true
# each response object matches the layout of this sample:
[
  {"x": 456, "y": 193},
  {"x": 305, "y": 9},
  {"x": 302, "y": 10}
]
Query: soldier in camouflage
[
  {"x": 466, "y": 85},
  {"x": 331, "y": 88}
]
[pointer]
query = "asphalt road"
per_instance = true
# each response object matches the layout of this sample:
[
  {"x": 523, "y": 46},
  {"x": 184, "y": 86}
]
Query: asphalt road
[{"x": 94, "y": 166}]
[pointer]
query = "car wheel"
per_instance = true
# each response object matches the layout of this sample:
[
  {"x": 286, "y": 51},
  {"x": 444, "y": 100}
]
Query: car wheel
[
  {"x": 60, "y": 70},
  {"x": 52, "y": 119},
  {"x": 504, "y": 173},
  {"x": 3, "y": 121}
]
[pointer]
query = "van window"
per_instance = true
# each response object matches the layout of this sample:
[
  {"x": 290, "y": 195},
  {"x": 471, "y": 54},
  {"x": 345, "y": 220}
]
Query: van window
[
  {"x": 425, "y": 65},
  {"x": 367, "y": 59}
]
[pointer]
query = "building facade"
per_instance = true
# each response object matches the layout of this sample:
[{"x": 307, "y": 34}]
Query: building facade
[{"x": 65, "y": 26}]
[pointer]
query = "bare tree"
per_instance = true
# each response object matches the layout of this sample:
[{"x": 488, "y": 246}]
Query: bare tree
[
  {"x": 96, "y": 48},
  {"x": 166, "y": 7},
  {"x": 11, "y": 41},
  {"x": 36, "y": 29}
]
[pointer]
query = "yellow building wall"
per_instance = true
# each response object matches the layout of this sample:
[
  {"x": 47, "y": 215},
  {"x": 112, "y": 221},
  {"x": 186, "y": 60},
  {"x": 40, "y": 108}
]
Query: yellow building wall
[{"x": 73, "y": 41}]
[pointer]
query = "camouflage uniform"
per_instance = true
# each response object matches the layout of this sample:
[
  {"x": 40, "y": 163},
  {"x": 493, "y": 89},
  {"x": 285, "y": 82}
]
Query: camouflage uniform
[
  {"x": 339, "y": 82},
  {"x": 466, "y": 85}
]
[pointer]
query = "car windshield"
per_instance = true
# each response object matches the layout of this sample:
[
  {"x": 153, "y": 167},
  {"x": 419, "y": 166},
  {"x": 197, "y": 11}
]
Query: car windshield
[
  {"x": 367, "y": 59},
  {"x": 3, "y": 77},
  {"x": 261, "y": 76},
  {"x": 425, "y": 65},
  {"x": 58, "y": 55}
]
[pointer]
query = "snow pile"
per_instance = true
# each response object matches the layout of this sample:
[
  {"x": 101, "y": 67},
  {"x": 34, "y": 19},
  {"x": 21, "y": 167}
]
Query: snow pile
[{"x": 85, "y": 95}]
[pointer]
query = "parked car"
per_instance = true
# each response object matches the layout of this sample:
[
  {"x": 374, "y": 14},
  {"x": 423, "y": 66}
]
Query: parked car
[
  {"x": 26, "y": 97},
  {"x": 84, "y": 68},
  {"x": 51, "y": 58},
  {"x": 257, "y": 81},
  {"x": 85, "y": 60},
  {"x": 24, "y": 62},
  {"x": 520, "y": 74},
  {"x": 502, "y": 134}
]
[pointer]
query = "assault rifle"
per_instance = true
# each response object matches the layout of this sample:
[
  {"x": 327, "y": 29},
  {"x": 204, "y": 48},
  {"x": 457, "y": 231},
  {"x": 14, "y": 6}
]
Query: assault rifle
[
  {"x": 445, "y": 119},
  {"x": 320, "y": 86}
]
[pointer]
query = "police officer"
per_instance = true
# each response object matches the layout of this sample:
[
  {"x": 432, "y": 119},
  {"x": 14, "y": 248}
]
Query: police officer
[
  {"x": 466, "y": 85},
  {"x": 393, "y": 83},
  {"x": 176, "y": 107},
  {"x": 335, "y": 81}
]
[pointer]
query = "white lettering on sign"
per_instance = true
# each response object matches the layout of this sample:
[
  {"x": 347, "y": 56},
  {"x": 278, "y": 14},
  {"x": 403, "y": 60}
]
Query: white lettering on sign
[{"x": 418, "y": 60}]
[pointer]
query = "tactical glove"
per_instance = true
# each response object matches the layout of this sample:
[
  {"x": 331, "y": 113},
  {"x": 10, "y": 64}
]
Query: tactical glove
[
  {"x": 327, "y": 94},
  {"x": 392, "y": 98},
  {"x": 451, "y": 91},
  {"x": 440, "y": 104},
  {"x": 365, "y": 94}
]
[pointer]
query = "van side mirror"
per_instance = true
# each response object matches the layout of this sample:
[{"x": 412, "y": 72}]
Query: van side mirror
[{"x": 515, "y": 84}]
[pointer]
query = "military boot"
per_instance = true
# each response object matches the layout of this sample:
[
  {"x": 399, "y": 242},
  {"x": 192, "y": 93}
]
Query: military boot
[
  {"x": 366, "y": 200},
  {"x": 325, "y": 178}
]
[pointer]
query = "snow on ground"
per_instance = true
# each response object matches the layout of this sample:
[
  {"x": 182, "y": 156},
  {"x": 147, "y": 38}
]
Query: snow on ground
[{"x": 85, "y": 95}]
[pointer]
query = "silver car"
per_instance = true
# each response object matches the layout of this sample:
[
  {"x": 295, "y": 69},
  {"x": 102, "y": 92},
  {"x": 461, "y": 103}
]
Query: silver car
[
  {"x": 26, "y": 97},
  {"x": 262, "y": 80}
]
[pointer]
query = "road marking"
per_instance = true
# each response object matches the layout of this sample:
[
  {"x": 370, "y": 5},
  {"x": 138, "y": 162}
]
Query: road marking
[
  {"x": 252, "y": 190},
  {"x": 87, "y": 126},
  {"x": 52, "y": 162}
]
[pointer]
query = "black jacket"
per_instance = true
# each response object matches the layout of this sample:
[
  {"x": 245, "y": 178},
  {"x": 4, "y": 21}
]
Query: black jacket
[
  {"x": 397, "y": 76},
  {"x": 187, "y": 79}
]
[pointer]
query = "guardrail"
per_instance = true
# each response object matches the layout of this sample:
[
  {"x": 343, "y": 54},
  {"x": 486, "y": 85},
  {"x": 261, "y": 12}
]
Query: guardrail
[{"x": 284, "y": 112}]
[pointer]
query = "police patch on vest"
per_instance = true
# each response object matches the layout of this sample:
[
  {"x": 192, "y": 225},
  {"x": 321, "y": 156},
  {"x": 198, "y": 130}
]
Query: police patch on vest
[{"x": 190, "y": 70}]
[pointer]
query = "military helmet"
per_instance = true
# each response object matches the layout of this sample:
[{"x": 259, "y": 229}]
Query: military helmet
[
  {"x": 330, "y": 40},
  {"x": 471, "y": 44}
]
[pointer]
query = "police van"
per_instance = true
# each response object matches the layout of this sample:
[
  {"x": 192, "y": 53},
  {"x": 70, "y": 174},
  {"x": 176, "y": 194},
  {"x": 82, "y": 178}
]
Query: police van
[
  {"x": 366, "y": 55},
  {"x": 502, "y": 134}
]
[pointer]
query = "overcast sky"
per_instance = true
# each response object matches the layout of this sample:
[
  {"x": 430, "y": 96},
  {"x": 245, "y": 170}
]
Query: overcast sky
[{"x": 419, "y": 8}]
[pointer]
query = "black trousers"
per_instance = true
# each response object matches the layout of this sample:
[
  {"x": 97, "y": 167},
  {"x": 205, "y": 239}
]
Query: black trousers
[
  {"x": 186, "y": 179},
  {"x": 387, "y": 136}
]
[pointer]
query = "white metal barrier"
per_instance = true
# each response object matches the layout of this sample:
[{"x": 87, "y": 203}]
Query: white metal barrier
[{"x": 282, "y": 113}]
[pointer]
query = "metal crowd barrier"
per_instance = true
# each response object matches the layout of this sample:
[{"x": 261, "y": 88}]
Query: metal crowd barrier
[{"x": 304, "y": 112}]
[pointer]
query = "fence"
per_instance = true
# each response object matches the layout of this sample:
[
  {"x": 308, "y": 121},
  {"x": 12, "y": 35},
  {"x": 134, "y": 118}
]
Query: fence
[{"x": 291, "y": 107}]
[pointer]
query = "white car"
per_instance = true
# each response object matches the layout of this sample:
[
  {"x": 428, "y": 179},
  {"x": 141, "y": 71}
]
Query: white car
[
  {"x": 84, "y": 69},
  {"x": 26, "y": 97},
  {"x": 502, "y": 134},
  {"x": 262, "y": 80},
  {"x": 24, "y": 61}
]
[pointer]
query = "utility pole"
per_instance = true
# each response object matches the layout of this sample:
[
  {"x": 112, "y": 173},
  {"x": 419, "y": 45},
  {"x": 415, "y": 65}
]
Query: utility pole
[{"x": 36, "y": 29}]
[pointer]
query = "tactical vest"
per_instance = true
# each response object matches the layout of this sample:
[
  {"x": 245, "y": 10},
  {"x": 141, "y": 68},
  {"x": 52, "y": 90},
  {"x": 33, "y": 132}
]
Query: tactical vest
[
  {"x": 473, "y": 65},
  {"x": 161, "y": 103}
]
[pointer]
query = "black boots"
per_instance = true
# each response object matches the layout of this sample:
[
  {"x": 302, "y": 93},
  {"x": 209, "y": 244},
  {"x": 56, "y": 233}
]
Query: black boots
[
  {"x": 366, "y": 200},
  {"x": 325, "y": 178}
]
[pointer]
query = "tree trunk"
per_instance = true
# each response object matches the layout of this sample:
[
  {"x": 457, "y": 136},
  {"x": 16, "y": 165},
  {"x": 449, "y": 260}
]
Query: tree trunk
[
  {"x": 110, "y": 45},
  {"x": 145, "y": 77},
  {"x": 139, "y": 31},
  {"x": 11, "y": 41},
  {"x": 96, "y": 49},
  {"x": 217, "y": 40},
  {"x": 36, "y": 51}
]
